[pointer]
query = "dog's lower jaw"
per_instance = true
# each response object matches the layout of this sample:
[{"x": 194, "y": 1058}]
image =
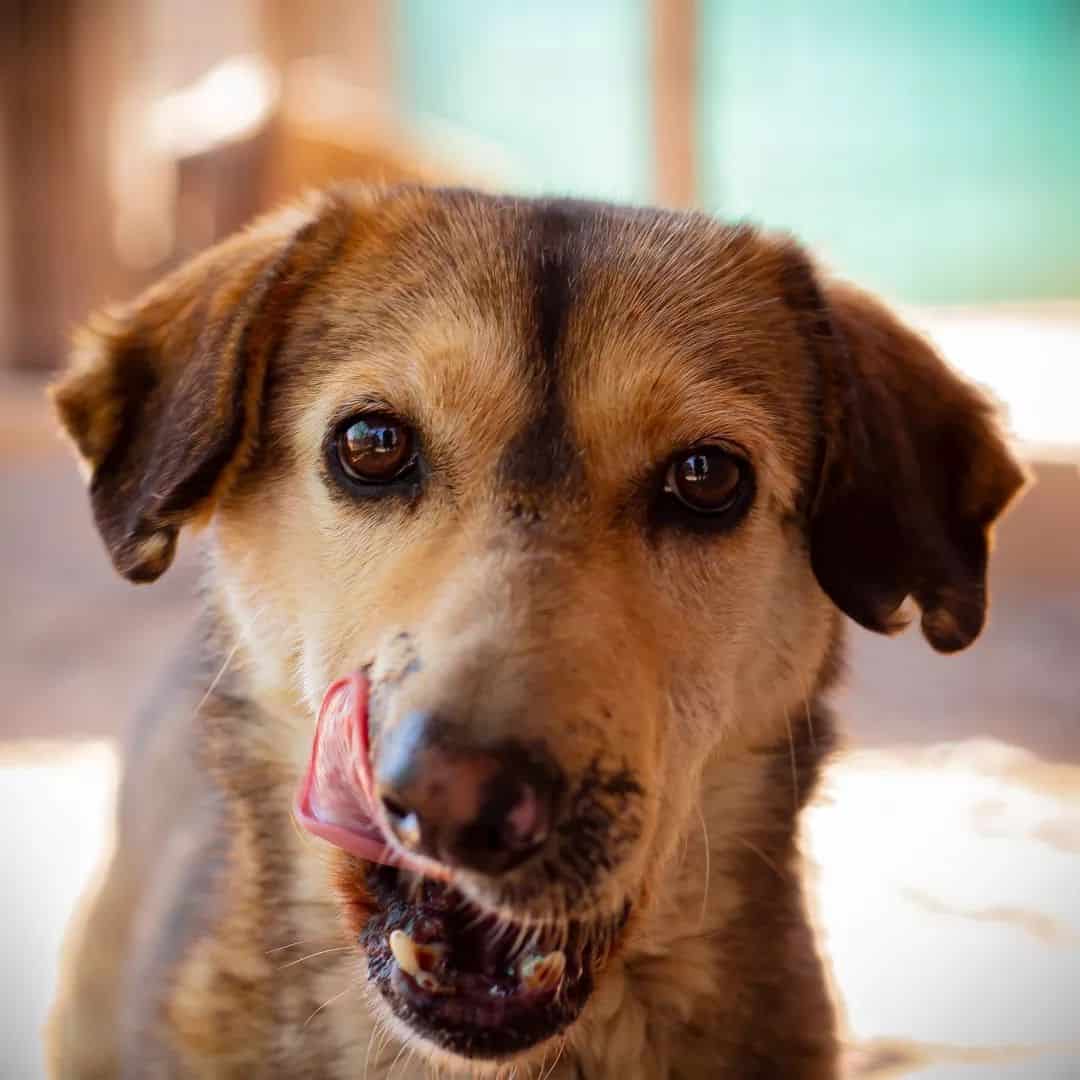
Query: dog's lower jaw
[
  {"x": 694, "y": 984},
  {"x": 616, "y": 1037}
]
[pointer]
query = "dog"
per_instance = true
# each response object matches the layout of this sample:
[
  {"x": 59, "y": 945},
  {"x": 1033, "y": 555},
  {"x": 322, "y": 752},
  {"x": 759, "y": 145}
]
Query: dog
[{"x": 531, "y": 531}]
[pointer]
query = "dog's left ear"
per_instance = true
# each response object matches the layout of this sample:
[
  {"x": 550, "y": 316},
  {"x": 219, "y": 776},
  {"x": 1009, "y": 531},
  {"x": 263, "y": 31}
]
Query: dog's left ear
[
  {"x": 913, "y": 471},
  {"x": 162, "y": 399}
]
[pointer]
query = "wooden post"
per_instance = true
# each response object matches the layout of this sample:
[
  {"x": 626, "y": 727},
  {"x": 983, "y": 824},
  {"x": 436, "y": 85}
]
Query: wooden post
[
  {"x": 675, "y": 91},
  {"x": 354, "y": 33},
  {"x": 57, "y": 81}
]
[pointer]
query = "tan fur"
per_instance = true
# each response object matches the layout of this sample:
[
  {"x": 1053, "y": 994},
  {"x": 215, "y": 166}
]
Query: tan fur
[{"x": 558, "y": 611}]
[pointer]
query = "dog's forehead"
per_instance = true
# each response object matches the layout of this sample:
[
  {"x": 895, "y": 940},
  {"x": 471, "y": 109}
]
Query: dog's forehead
[{"x": 557, "y": 326}]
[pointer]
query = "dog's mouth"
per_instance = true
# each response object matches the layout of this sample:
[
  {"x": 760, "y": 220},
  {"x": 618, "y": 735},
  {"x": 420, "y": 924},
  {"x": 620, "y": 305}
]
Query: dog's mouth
[{"x": 475, "y": 983}]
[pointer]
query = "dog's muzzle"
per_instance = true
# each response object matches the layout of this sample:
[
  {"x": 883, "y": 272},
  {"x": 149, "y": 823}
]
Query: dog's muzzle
[
  {"x": 429, "y": 802},
  {"x": 474, "y": 982}
]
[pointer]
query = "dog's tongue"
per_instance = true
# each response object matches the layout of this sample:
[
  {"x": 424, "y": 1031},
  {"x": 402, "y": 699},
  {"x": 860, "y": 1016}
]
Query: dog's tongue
[{"x": 335, "y": 797}]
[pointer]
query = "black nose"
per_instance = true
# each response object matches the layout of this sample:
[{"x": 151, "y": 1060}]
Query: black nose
[{"x": 485, "y": 809}]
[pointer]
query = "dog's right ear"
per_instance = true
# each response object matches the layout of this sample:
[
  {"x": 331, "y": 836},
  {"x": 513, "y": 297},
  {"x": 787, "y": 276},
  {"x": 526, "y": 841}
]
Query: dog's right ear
[
  {"x": 162, "y": 398},
  {"x": 914, "y": 469}
]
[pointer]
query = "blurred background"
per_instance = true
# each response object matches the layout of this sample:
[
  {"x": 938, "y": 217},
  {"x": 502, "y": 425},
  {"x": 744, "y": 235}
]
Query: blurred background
[{"x": 929, "y": 150}]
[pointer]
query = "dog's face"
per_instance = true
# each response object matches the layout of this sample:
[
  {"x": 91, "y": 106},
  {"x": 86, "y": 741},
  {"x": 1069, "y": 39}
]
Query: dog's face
[{"x": 579, "y": 492}]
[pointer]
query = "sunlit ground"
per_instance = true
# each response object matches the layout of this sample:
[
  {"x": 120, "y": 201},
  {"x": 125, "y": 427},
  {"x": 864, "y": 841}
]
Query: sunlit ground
[
  {"x": 947, "y": 889},
  {"x": 948, "y": 895},
  {"x": 57, "y": 801}
]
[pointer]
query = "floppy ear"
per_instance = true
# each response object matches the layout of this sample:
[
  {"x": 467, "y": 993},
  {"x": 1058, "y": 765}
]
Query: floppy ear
[
  {"x": 913, "y": 472},
  {"x": 162, "y": 399}
]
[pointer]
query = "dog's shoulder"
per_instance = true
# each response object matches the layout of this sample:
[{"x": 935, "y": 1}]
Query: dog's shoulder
[{"x": 150, "y": 924}]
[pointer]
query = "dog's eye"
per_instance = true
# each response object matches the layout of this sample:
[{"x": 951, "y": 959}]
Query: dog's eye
[
  {"x": 375, "y": 449},
  {"x": 707, "y": 479}
]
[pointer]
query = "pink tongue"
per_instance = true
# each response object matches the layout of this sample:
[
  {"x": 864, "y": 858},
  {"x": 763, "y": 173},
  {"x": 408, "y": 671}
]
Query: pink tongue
[{"x": 336, "y": 798}]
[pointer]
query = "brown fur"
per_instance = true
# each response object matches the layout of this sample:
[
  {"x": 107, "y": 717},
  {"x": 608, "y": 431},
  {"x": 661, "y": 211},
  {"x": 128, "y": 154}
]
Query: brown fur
[{"x": 552, "y": 357}]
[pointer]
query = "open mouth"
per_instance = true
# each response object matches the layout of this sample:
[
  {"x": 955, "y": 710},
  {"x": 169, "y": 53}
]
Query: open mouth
[{"x": 474, "y": 983}]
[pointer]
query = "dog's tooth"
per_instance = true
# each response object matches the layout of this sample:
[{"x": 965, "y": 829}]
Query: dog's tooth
[
  {"x": 419, "y": 961},
  {"x": 404, "y": 949},
  {"x": 539, "y": 973}
]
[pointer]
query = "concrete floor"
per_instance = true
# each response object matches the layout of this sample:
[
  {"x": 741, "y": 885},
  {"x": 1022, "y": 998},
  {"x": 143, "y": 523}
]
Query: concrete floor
[{"x": 949, "y": 882}]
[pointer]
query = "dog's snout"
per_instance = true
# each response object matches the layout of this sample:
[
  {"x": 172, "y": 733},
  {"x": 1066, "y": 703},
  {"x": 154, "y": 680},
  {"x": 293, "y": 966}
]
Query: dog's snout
[{"x": 480, "y": 808}]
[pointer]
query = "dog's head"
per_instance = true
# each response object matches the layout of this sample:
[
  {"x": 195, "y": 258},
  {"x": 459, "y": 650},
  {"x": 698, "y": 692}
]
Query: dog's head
[{"x": 577, "y": 492}]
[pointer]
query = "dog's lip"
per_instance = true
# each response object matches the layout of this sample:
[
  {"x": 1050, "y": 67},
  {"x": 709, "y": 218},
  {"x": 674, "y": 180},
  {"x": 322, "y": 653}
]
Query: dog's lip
[
  {"x": 335, "y": 800},
  {"x": 470, "y": 982}
]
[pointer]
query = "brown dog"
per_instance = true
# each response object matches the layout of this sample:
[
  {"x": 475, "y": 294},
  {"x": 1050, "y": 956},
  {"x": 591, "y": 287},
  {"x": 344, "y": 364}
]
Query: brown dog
[{"x": 574, "y": 497}]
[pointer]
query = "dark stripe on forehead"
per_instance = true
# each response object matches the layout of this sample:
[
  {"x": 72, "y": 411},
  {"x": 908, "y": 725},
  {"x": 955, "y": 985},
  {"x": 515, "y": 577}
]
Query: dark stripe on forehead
[
  {"x": 554, "y": 257},
  {"x": 542, "y": 454}
]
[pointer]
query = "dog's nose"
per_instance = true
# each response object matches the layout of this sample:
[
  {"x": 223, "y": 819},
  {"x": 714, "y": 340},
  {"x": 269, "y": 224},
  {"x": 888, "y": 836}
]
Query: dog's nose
[{"x": 482, "y": 809}]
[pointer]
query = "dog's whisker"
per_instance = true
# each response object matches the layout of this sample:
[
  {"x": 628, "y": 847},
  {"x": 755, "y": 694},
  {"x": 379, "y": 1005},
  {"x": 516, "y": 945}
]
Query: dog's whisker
[
  {"x": 216, "y": 679},
  {"x": 519, "y": 940},
  {"x": 383, "y": 1041},
  {"x": 477, "y": 920},
  {"x": 229, "y": 657},
  {"x": 329, "y": 1001},
  {"x": 771, "y": 863},
  {"x": 397, "y": 1058},
  {"x": 377, "y": 1028},
  {"x": 558, "y": 1056},
  {"x": 503, "y": 928},
  {"x": 811, "y": 734},
  {"x": 415, "y": 888},
  {"x": 311, "y": 956},
  {"x": 794, "y": 764},
  {"x": 532, "y": 942},
  {"x": 708, "y": 864},
  {"x": 291, "y": 945}
]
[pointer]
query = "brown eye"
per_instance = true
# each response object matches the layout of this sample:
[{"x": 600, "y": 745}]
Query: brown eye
[
  {"x": 707, "y": 479},
  {"x": 375, "y": 449}
]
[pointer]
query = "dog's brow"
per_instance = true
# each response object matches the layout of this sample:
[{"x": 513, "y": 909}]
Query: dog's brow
[{"x": 543, "y": 454}]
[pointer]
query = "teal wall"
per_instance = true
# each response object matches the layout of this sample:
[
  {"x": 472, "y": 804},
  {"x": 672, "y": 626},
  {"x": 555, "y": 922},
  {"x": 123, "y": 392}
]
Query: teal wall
[
  {"x": 929, "y": 149},
  {"x": 562, "y": 86}
]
